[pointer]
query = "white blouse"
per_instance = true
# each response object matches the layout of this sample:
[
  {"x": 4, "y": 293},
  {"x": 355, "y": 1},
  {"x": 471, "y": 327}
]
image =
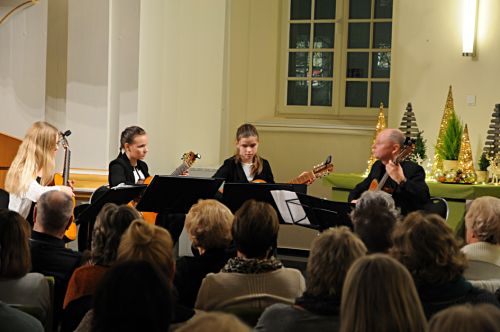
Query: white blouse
[{"x": 22, "y": 204}]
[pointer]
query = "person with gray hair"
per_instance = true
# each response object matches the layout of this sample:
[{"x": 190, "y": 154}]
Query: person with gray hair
[
  {"x": 374, "y": 218},
  {"x": 49, "y": 255},
  {"x": 406, "y": 179}
]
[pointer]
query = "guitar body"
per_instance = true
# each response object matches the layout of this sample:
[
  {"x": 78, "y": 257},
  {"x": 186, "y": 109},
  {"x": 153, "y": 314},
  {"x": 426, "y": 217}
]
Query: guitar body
[
  {"x": 149, "y": 217},
  {"x": 72, "y": 230}
]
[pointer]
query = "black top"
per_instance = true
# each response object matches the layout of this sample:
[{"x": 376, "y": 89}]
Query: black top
[
  {"x": 50, "y": 257},
  {"x": 190, "y": 271},
  {"x": 232, "y": 171},
  {"x": 410, "y": 196},
  {"x": 121, "y": 171}
]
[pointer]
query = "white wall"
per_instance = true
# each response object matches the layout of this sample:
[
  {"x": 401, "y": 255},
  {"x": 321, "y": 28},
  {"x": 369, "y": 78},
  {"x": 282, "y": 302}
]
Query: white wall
[{"x": 22, "y": 67}]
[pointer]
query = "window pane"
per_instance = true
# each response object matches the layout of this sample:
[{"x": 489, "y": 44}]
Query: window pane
[
  {"x": 382, "y": 35},
  {"x": 324, "y": 35},
  {"x": 355, "y": 94},
  {"x": 381, "y": 64},
  {"x": 322, "y": 64},
  {"x": 298, "y": 64},
  {"x": 325, "y": 9},
  {"x": 359, "y": 35},
  {"x": 321, "y": 94},
  {"x": 383, "y": 8},
  {"x": 299, "y": 35},
  {"x": 357, "y": 64},
  {"x": 380, "y": 94},
  {"x": 300, "y": 10},
  {"x": 297, "y": 93},
  {"x": 360, "y": 9}
]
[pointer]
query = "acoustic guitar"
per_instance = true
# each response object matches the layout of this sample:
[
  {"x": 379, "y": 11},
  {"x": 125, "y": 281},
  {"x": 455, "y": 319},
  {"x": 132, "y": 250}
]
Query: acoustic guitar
[
  {"x": 188, "y": 160},
  {"x": 62, "y": 180},
  {"x": 408, "y": 149}
]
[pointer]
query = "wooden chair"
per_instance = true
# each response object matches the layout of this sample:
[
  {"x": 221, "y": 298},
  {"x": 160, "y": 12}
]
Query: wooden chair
[{"x": 9, "y": 146}]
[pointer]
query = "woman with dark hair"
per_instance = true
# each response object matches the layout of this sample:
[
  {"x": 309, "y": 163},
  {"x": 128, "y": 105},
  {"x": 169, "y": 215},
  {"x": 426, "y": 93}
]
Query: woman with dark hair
[
  {"x": 429, "y": 250},
  {"x": 318, "y": 309},
  {"x": 17, "y": 286},
  {"x": 255, "y": 269},
  {"x": 111, "y": 223},
  {"x": 133, "y": 296}
]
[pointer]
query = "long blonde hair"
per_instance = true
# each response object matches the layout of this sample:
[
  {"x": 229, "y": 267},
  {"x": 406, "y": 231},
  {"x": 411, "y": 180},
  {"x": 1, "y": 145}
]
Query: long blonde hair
[
  {"x": 244, "y": 131},
  {"x": 35, "y": 154}
]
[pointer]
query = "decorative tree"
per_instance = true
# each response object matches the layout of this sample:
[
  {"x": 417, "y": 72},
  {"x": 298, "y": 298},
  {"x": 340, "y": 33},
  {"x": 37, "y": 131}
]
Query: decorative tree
[
  {"x": 465, "y": 162},
  {"x": 378, "y": 128},
  {"x": 449, "y": 109},
  {"x": 492, "y": 143},
  {"x": 450, "y": 144},
  {"x": 409, "y": 123}
]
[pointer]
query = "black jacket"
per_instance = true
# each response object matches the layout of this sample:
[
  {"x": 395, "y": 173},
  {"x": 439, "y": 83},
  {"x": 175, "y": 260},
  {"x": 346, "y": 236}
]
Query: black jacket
[
  {"x": 410, "y": 196},
  {"x": 232, "y": 171},
  {"x": 121, "y": 171}
]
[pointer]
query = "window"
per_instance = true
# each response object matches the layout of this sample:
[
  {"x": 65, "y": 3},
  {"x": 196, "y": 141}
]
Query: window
[{"x": 337, "y": 55}]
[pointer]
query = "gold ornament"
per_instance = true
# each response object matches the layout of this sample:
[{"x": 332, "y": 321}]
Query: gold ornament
[
  {"x": 378, "y": 128},
  {"x": 465, "y": 162},
  {"x": 437, "y": 164}
]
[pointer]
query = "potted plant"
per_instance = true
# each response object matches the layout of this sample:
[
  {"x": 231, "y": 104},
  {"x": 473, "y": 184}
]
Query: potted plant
[
  {"x": 482, "y": 173},
  {"x": 450, "y": 147}
]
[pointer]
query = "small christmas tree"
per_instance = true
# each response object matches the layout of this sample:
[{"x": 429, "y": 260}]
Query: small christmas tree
[
  {"x": 449, "y": 109},
  {"x": 378, "y": 128},
  {"x": 492, "y": 143},
  {"x": 409, "y": 123}
]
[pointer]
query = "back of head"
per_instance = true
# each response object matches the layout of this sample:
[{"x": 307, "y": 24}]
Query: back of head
[
  {"x": 395, "y": 136},
  {"x": 214, "y": 321},
  {"x": 331, "y": 255},
  {"x": 53, "y": 212},
  {"x": 379, "y": 295},
  {"x": 36, "y": 153},
  {"x": 464, "y": 318},
  {"x": 255, "y": 229},
  {"x": 132, "y": 296},
  {"x": 15, "y": 259},
  {"x": 150, "y": 243},
  {"x": 208, "y": 224},
  {"x": 428, "y": 248},
  {"x": 374, "y": 218},
  {"x": 111, "y": 222},
  {"x": 483, "y": 219}
]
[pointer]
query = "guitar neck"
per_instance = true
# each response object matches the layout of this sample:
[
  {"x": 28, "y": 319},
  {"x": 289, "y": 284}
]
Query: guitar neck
[
  {"x": 181, "y": 169},
  {"x": 304, "y": 178},
  {"x": 382, "y": 182},
  {"x": 67, "y": 157}
]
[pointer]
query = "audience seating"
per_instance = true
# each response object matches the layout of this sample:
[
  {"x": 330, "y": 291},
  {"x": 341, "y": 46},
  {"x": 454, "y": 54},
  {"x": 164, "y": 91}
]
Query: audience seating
[
  {"x": 4, "y": 199},
  {"x": 439, "y": 206}
]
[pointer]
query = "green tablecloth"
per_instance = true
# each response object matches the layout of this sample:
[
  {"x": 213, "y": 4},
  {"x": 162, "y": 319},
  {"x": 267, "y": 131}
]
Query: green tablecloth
[{"x": 455, "y": 194}]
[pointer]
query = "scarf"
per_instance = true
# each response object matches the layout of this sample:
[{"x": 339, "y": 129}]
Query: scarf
[{"x": 251, "y": 265}]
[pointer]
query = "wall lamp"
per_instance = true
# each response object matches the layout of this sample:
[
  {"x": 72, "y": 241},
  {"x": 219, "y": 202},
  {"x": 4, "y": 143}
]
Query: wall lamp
[{"x": 469, "y": 27}]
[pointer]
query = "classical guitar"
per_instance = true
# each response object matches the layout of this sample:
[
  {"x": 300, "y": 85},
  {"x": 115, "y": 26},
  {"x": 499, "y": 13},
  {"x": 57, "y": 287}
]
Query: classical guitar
[
  {"x": 188, "y": 160},
  {"x": 318, "y": 171},
  {"x": 62, "y": 180},
  {"x": 409, "y": 147}
]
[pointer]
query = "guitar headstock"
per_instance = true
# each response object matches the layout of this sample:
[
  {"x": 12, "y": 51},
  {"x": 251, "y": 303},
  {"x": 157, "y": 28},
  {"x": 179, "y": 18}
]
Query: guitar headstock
[
  {"x": 63, "y": 139},
  {"x": 324, "y": 168},
  {"x": 190, "y": 157},
  {"x": 408, "y": 149}
]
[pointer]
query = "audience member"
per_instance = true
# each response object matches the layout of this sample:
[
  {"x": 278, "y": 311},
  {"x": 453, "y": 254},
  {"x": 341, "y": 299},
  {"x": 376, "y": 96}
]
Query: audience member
[
  {"x": 133, "y": 296},
  {"x": 466, "y": 318},
  {"x": 111, "y": 222},
  {"x": 379, "y": 295},
  {"x": 374, "y": 218},
  {"x": 429, "y": 250},
  {"x": 17, "y": 286},
  {"x": 13, "y": 320},
  {"x": 153, "y": 244},
  {"x": 482, "y": 222},
  {"x": 208, "y": 224},
  {"x": 318, "y": 309},
  {"x": 255, "y": 269},
  {"x": 214, "y": 321},
  {"x": 49, "y": 255}
]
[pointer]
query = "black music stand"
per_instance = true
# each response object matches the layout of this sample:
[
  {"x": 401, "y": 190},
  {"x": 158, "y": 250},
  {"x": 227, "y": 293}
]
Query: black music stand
[
  {"x": 176, "y": 194},
  {"x": 321, "y": 213},
  {"x": 235, "y": 194},
  {"x": 118, "y": 195}
]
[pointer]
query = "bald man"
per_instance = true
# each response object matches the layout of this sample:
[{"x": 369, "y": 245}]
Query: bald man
[{"x": 406, "y": 180}]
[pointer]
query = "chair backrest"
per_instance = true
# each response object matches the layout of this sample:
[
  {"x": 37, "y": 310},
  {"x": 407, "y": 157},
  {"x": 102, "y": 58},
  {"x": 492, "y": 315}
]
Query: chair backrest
[
  {"x": 437, "y": 205},
  {"x": 4, "y": 199},
  {"x": 50, "y": 314},
  {"x": 249, "y": 307}
]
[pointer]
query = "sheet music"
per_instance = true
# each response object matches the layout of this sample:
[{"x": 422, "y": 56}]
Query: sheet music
[{"x": 289, "y": 207}]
